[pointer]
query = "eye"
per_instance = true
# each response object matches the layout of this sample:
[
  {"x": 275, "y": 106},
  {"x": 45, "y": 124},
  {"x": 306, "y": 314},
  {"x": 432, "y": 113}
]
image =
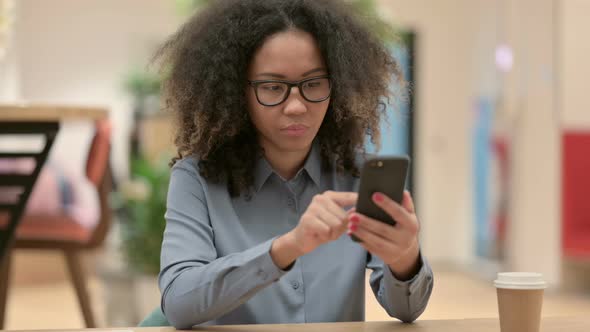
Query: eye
[
  {"x": 313, "y": 84},
  {"x": 272, "y": 87}
]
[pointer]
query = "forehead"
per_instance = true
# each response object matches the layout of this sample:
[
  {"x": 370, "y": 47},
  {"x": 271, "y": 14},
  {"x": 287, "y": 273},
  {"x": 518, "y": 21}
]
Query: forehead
[{"x": 290, "y": 53}]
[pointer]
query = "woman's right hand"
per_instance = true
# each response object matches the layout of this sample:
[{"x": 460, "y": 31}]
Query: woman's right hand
[{"x": 324, "y": 220}]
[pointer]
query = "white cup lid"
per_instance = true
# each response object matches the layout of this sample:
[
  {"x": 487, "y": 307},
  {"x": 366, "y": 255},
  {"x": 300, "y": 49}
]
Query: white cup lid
[{"x": 520, "y": 280}]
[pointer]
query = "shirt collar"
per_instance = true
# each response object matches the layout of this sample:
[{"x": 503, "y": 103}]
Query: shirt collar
[
  {"x": 313, "y": 164},
  {"x": 313, "y": 167},
  {"x": 262, "y": 171}
]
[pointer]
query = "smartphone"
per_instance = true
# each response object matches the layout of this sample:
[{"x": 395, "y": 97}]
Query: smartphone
[{"x": 385, "y": 174}]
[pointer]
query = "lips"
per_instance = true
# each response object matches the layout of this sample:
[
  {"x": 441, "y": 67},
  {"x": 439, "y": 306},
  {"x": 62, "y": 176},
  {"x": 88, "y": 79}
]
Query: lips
[
  {"x": 295, "y": 127},
  {"x": 295, "y": 130}
]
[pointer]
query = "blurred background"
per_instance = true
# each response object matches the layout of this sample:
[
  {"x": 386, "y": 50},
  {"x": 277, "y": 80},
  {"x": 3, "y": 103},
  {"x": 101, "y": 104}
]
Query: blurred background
[{"x": 497, "y": 125}]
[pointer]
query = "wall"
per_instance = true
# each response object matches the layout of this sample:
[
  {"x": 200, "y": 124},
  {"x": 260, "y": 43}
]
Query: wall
[
  {"x": 530, "y": 92},
  {"x": 73, "y": 51},
  {"x": 9, "y": 76},
  {"x": 451, "y": 55},
  {"x": 573, "y": 56},
  {"x": 456, "y": 41}
]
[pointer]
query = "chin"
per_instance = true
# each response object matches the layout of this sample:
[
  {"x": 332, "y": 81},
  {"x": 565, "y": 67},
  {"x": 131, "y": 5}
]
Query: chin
[{"x": 294, "y": 144}]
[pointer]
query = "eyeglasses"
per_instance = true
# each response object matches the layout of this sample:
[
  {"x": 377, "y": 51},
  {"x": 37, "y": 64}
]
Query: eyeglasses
[{"x": 275, "y": 92}]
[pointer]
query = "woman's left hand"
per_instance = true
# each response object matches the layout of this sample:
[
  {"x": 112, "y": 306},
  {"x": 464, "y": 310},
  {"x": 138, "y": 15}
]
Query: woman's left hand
[{"x": 396, "y": 245}]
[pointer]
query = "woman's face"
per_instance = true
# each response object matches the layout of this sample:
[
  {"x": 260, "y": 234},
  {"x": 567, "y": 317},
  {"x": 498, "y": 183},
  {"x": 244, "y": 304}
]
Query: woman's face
[{"x": 291, "y": 125}]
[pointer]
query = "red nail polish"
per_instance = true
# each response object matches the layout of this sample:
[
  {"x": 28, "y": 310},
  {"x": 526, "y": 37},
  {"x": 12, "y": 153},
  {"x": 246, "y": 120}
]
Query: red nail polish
[
  {"x": 354, "y": 218},
  {"x": 352, "y": 227},
  {"x": 378, "y": 197}
]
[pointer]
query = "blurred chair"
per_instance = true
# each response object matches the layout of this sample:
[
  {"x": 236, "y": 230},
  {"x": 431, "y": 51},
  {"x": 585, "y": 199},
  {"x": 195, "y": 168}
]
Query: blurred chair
[{"x": 64, "y": 234}]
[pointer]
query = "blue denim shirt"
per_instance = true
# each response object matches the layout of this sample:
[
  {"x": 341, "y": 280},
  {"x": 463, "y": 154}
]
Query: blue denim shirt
[{"x": 216, "y": 267}]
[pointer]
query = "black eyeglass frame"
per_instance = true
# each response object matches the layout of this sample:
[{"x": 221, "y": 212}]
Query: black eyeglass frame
[{"x": 290, "y": 85}]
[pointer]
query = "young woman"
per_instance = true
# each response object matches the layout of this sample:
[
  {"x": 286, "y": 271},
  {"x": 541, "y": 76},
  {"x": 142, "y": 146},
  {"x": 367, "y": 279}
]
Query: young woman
[{"x": 274, "y": 100}]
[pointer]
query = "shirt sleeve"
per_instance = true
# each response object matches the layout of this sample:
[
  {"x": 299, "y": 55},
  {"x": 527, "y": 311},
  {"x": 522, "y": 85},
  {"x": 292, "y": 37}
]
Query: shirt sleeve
[
  {"x": 404, "y": 300},
  {"x": 196, "y": 285}
]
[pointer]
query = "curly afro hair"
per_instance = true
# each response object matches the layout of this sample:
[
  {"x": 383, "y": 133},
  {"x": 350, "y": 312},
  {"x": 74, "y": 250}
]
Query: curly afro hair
[{"x": 207, "y": 60}]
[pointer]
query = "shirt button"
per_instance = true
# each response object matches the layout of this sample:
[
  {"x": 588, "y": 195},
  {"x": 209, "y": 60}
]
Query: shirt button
[
  {"x": 295, "y": 284},
  {"x": 262, "y": 274},
  {"x": 290, "y": 202}
]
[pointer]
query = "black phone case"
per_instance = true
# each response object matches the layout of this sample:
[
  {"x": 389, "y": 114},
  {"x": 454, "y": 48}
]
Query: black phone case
[{"x": 386, "y": 175}]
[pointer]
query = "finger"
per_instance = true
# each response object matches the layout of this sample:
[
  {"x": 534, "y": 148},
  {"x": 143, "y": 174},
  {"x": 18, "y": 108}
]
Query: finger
[
  {"x": 325, "y": 202},
  {"x": 386, "y": 253},
  {"x": 372, "y": 242},
  {"x": 380, "y": 229},
  {"x": 392, "y": 208},
  {"x": 351, "y": 210},
  {"x": 408, "y": 202},
  {"x": 343, "y": 199},
  {"x": 401, "y": 237},
  {"x": 331, "y": 213},
  {"x": 336, "y": 225},
  {"x": 373, "y": 250},
  {"x": 335, "y": 209},
  {"x": 319, "y": 229}
]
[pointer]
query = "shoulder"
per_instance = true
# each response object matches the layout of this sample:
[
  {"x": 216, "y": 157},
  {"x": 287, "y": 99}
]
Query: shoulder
[
  {"x": 188, "y": 165},
  {"x": 187, "y": 171}
]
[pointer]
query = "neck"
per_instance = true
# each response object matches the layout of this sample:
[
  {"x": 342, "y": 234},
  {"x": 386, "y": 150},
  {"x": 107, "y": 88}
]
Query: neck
[{"x": 286, "y": 164}]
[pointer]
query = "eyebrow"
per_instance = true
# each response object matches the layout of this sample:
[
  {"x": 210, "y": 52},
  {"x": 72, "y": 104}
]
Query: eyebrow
[{"x": 283, "y": 76}]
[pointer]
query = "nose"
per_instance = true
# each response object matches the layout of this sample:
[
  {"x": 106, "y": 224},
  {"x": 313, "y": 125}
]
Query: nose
[{"x": 294, "y": 105}]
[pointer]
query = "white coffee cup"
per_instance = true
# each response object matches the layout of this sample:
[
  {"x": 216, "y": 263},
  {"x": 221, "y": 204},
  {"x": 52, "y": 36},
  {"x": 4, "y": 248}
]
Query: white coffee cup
[{"x": 520, "y": 300}]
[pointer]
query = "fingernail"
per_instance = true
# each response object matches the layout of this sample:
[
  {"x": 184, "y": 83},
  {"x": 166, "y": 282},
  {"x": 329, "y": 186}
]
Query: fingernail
[
  {"x": 354, "y": 218},
  {"x": 378, "y": 197},
  {"x": 352, "y": 227}
]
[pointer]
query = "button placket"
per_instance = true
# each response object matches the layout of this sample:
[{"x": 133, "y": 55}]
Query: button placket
[{"x": 291, "y": 202}]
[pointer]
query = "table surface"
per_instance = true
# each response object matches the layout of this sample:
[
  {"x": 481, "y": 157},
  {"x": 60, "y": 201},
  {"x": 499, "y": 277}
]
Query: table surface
[
  {"x": 555, "y": 324},
  {"x": 49, "y": 113}
]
